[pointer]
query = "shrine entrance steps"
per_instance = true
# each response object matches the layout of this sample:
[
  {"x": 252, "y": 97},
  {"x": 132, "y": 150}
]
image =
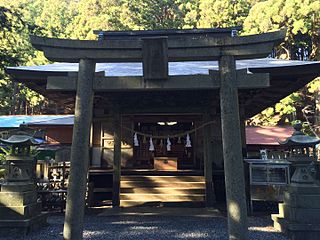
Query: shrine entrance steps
[{"x": 152, "y": 190}]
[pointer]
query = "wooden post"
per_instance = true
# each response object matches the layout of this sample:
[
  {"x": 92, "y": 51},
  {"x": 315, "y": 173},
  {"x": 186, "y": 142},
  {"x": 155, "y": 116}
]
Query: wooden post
[
  {"x": 232, "y": 150},
  {"x": 116, "y": 160},
  {"x": 244, "y": 154},
  {"x": 73, "y": 224},
  {"x": 243, "y": 131},
  {"x": 208, "y": 158}
]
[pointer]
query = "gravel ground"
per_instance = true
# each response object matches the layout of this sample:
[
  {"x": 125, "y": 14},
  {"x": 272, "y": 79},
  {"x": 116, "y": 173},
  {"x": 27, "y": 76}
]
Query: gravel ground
[{"x": 156, "y": 227}]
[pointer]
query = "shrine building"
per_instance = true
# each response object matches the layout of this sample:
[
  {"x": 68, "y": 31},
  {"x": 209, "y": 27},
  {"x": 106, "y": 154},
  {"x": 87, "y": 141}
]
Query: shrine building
[{"x": 164, "y": 110}]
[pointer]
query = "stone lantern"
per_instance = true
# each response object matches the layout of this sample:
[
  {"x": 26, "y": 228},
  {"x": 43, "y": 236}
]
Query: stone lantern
[
  {"x": 302, "y": 155},
  {"x": 299, "y": 214},
  {"x": 20, "y": 164},
  {"x": 20, "y": 212}
]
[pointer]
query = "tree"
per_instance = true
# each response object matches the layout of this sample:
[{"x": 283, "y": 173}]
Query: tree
[
  {"x": 223, "y": 13},
  {"x": 89, "y": 15},
  {"x": 14, "y": 50},
  {"x": 153, "y": 14},
  {"x": 302, "y": 20},
  {"x": 300, "y": 17}
]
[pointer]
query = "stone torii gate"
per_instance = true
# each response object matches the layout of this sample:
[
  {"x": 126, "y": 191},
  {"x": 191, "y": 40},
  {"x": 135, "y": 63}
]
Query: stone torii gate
[{"x": 155, "y": 53}]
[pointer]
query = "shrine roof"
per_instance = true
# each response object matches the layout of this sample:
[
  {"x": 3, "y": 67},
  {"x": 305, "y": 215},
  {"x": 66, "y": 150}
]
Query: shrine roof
[
  {"x": 265, "y": 135},
  {"x": 14, "y": 121},
  {"x": 286, "y": 76},
  {"x": 175, "y": 68}
]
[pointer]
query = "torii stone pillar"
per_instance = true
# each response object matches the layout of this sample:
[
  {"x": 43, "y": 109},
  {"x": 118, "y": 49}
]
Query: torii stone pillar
[
  {"x": 116, "y": 159},
  {"x": 232, "y": 150},
  {"x": 73, "y": 224}
]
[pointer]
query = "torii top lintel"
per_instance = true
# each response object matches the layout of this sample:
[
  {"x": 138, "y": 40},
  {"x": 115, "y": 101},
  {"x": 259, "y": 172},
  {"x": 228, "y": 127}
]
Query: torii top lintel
[{"x": 182, "y": 49}]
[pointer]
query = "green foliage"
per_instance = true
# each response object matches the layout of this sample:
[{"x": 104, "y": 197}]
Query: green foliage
[
  {"x": 301, "y": 18},
  {"x": 89, "y": 15},
  {"x": 78, "y": 18},
  {"x": 153, "y": 14},
  {"x": 15, "y": 49},
  {"x": 4, "y": 151},
  {"x": 223, "y": 13}
]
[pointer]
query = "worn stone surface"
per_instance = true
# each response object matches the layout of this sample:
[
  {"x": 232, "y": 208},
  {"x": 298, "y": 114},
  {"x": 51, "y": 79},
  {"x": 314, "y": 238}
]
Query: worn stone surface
[
  {"x": 232, "y": 151},
  {"x": 17, "y": 198},
  {"x": 130, "y": 50},
  {"x": 302, "y": 200},
  {"x": 155, "y": 58},
  {"x": 18, "y": 187},
  {"x": 20, "y": 212},
  {"x": 299, "y": 215},
  {"x": 244, "y": 80},
  {"x": 79, "y": 152},
  {"x": 20, "y": 228}
]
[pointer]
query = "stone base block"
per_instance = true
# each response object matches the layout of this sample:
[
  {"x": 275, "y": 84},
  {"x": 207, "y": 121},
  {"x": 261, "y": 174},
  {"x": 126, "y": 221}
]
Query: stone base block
[
  {"x": 17, "y": 198},
  {"x": 296, "y": 231},
  {"x": 304, "y": 215},
  {"x": 301, "y": 215},
  {"x": 15, "y": 228},
  {"x": 301, "y": 189},
  {"x": 302, "y": 200},
  {"x": 20, "y": 212},
  {"x": 18, "y": 187}
]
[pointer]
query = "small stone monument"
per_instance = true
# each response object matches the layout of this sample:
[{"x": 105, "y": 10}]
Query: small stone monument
[
  {"x": 20, "y": 212},
  {"x": 299, "y": 214}
]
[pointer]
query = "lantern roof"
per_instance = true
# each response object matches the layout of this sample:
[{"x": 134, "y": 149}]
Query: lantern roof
[
  {"x": 20, "y": 140},
  {"x": 298, "y": 138}
]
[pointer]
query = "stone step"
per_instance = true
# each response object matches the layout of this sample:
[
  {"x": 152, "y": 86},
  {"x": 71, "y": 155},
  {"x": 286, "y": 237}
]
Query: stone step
[
  {"x": 281, "y": 210},
  {"x": 143, "y": 184},
  {"x": 164, "y": 190},
  {"x": 149, "y": 189},
  {"x": 162, "y": 197},
  {"x": 133, "y": 203},
  {"x": 278, "y": 222},
  {"x": 163, "y": 178}
]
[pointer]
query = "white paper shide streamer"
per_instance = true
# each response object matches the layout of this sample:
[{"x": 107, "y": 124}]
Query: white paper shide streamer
[
  {"x": 135, "y": 140},
  {"x": 188, "y": 141},
  {"x": 168, "y": 145},
  {"x": 151, "y": 147}
]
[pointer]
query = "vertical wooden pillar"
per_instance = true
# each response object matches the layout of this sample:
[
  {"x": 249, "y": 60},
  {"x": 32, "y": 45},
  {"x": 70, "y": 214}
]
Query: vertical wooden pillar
[
  {"x": 244, "y": 154},
  {"x": 232, "y": 150},
  {"x": 243, "y": 131},
  {"x": 116, "y": 160},
  {"x": 208, "y": 159},
  {"x": 73, "y": 224}
]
